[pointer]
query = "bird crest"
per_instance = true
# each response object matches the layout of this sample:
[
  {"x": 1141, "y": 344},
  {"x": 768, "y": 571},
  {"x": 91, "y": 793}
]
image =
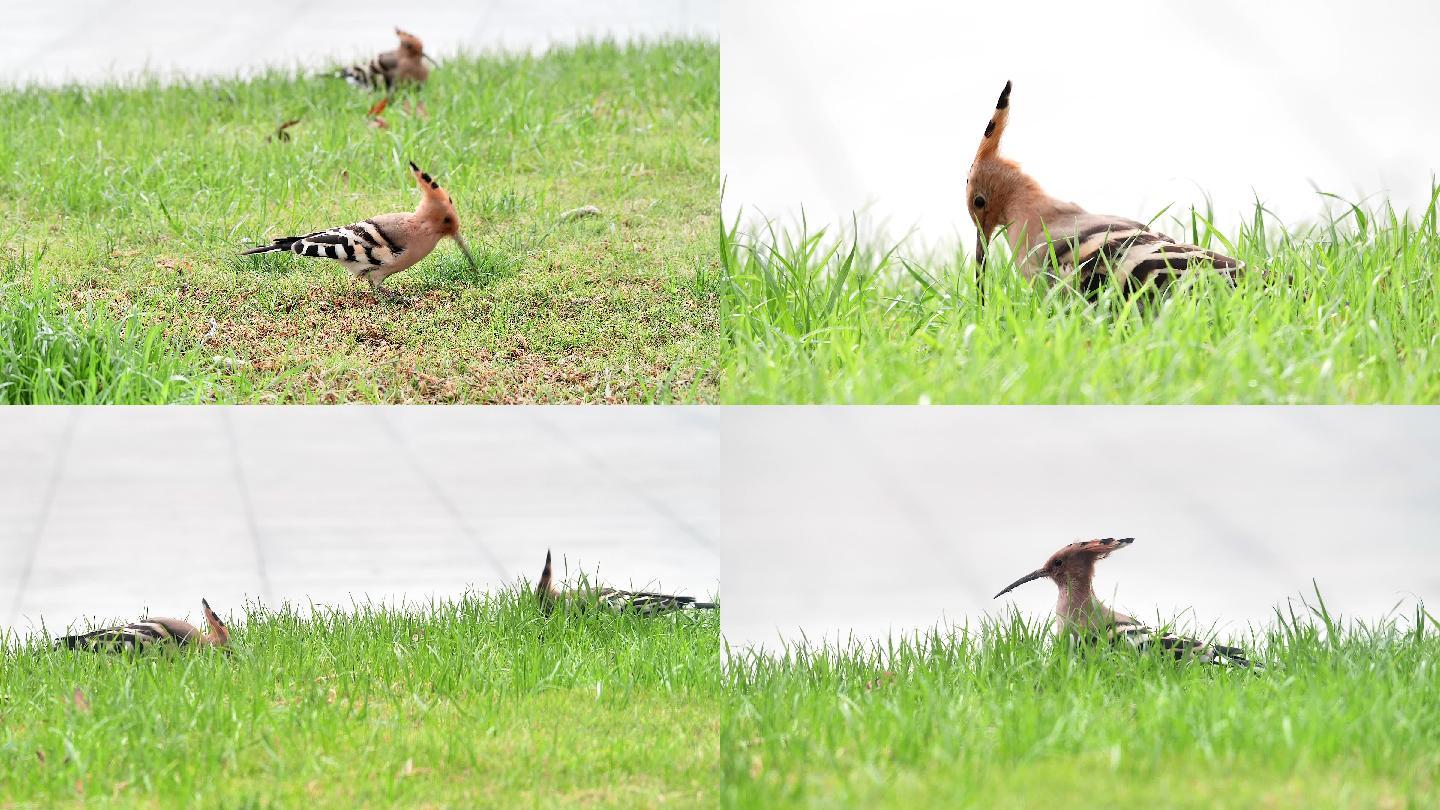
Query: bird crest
[
  {"x": 409, "y": 43},
  {"x": 545, "y": 591},
  {"x": 219, "y": 634},
  {"x": 437, "y": 209}
]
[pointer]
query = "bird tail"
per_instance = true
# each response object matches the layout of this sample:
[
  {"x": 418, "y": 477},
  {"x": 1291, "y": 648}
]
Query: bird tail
[
  {"x": 1232, "y": 657},
  {"x": 283, "y": 243}
]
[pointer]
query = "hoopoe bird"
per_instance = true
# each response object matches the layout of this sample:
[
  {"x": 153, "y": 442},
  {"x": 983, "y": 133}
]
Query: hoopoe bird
[
  {"x": 144, "y": 634},
  {"x": 382, "y": 246},
  {"x": 1054, "y": 236},
  {"x": 404, "y": 65},
  {"x": 1081, "y": 615},
  {"x": 645, "y": 603}
]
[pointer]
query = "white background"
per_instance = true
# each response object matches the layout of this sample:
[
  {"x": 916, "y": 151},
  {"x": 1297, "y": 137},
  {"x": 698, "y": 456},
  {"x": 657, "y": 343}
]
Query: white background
[
  {"x": 872, "y": 520},
  {"x": 1124, "y": 107}
]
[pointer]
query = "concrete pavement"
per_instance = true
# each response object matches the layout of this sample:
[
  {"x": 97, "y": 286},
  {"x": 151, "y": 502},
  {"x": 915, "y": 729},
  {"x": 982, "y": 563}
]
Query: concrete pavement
[{"x": 112, "y": 512}]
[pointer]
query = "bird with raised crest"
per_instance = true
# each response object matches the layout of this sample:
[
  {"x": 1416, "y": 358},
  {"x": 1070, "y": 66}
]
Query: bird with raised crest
[
  {"x": 1080, "y": 615},
  {"x": 377, "y": 248}
]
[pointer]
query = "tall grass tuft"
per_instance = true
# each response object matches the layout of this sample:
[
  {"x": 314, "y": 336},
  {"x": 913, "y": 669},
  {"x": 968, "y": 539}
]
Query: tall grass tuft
[{"x": 51, "y": 352}]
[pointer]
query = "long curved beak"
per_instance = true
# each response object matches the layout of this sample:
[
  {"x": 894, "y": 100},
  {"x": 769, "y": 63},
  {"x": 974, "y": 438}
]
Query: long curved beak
[
  {"x": 979, "y": 249},
  {"x": 428, "y": 58},
  {"x": 1030, "y": 577},
  {"x": 464, "y": 248}
]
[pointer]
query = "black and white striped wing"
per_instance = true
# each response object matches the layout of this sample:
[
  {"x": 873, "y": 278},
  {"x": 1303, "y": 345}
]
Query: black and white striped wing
[
  {"x": 1143, "y": 639},
  {"x": 373, "y": 75},
  {"x": 362, "y": 244},
  {"x": 133, "y": 636},
  {"x": 643, "y": 602},
  {"x": 1130, "y": 252}
]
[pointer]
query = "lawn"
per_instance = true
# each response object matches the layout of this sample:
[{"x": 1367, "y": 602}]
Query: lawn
[
  {"x": 1346, "y": 715},
  {"x": 1343, "y": 311},
  {"x": 470, "y": 703},
  {"x": 128, "y": 204}
]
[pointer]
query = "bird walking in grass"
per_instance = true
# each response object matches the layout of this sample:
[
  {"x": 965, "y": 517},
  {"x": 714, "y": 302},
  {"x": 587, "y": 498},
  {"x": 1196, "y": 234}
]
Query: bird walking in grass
[
  {"x": 1081, "y": 615},
  {"x": 646, "y": 603},
  {"x": 151, "y": 632},
  {"x": 379, "y": 247},
  {"x": 1058, "y": 237},
  {"x": 404, "y": 65}
]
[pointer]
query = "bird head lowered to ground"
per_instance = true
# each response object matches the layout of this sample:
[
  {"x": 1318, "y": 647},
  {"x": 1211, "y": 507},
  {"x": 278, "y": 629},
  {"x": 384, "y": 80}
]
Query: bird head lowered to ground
[
  {"x": 437, "y": 211},
  {"x": 1073, "y": 563},
  {"x": 996, "y": 189}
]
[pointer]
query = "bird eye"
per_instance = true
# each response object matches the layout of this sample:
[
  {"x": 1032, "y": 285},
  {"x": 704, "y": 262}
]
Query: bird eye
[
  {"x": 447, "y": 220},
  {"x": 979, "y": 201},
  {"x": 1054, "y": 563}
]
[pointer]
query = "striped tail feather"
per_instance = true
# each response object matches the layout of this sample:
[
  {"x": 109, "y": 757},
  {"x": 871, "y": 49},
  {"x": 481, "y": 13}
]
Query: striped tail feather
[{"x": 283, "y": 243}]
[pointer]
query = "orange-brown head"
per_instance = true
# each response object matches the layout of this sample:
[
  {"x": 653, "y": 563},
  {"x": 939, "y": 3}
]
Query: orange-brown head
[
  {"x": 410, "y": 44},
  {"x": 219, "y": 634},
  {"x": 996, "y": 190},
  {"x": 437, "y": 213},
  {"x": 1073, "y": 563},
  {"x": 412, "y": 48}
]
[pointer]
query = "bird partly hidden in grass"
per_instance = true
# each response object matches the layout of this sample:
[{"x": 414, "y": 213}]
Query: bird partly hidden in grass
[
  {"x": 150, "y": 633},
  {"x": 646, "y": 603},
  {"x": 1080, "y": 615},
  {"x": 379, "y": 247},
  {"x": 1047, "y": 235},
  {"x": 404, "y": 65}
]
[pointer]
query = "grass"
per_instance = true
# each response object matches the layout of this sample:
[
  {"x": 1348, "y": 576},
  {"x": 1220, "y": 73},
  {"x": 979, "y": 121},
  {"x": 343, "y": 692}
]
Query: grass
[
  {"x": 53, "y": 353},
  {"x": 1347, "y": 311},
  {"x": 134, "y": 199},
  {"x": 477, "y": 702},
  {"x": 1346, "y": 715}
]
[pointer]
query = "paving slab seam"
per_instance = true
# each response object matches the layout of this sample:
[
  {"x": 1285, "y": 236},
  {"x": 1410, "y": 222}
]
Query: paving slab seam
[
  {"x": 247, "y": 506},
  {"x": 41, "y": 521},
  {"x": 414, "y": 461},
  {"x": 598, "y": 463}
]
